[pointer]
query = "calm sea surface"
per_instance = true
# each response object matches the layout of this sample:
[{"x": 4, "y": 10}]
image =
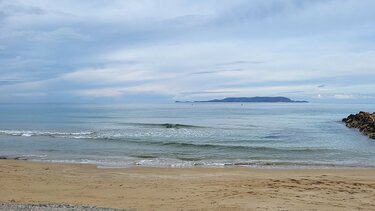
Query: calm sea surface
[{"x": 183, "y": 134}]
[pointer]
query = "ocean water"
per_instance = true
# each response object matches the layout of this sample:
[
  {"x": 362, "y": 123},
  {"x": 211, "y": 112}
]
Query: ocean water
[{"x": 183, "y": 134}]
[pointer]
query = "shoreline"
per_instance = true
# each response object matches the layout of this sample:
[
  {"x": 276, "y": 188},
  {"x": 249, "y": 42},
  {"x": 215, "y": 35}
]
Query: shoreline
[
  {"x": 197, "y": 188},
  {"x": 224, "y": 166},
  {"x": 240, "y": 165}
]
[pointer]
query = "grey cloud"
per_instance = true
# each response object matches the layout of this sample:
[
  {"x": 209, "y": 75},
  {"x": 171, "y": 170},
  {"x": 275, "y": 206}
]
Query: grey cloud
[
  {"x": 258, "y": 10},
  {"x": 185, "y": 20},
  {"x": 249, "y": 43},
  {"x": 291, "y": 92},
  {"x": 207, "y": 92},
  {"x": 10, "y": 81},
  {"x": 239, "y": 62},
  {"x": 55, "y": 35},
  {"x": 2, "y": 15},
  {"x": 10, "y": 9},
  {"x": 217, "y": 71}
]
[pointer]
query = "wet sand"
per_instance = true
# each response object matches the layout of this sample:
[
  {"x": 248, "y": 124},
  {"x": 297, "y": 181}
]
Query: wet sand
[{"x": 139, "y": 188}]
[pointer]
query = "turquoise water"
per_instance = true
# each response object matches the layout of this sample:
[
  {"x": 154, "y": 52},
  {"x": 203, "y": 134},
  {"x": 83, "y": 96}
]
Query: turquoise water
[{"x": 183, "y": 134}]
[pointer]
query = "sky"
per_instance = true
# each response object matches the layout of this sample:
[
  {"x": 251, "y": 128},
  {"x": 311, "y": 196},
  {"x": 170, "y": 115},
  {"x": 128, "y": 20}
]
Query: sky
[{"x": 166, "y": 50}]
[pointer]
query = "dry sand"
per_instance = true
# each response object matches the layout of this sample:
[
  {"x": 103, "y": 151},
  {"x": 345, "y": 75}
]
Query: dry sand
[{"x": 187, "y": 188}]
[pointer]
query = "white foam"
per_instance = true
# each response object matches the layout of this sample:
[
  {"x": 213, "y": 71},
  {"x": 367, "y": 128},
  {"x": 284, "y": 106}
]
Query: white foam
[{"x": 29, "y": 133}]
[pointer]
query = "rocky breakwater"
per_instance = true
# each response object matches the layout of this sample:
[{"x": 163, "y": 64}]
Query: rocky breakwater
[{"x": 364, "y": 121}]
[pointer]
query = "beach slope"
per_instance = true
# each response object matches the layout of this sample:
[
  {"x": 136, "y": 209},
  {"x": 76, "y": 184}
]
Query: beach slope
[{"x": 187, "y": 188}]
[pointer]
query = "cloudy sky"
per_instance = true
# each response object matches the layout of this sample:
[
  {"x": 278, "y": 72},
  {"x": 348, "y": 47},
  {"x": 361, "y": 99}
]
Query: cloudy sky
[{"x": 165, "y": 50}]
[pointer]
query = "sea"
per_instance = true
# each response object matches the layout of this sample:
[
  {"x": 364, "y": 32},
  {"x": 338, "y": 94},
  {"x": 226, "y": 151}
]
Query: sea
[{"x": 260, "y": 135}]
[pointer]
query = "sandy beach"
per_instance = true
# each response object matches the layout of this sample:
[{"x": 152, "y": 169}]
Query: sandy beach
[{"x": 187, "y": 188}]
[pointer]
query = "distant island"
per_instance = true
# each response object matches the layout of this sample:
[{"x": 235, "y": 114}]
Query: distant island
[{"x": 248, "y": 100}]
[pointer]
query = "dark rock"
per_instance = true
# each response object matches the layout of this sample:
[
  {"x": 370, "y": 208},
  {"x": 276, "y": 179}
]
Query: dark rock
[
  {"x": 364, "y": 121},
  {"x": 50, "y": 207},
  {"x": 12, "y": 158}
]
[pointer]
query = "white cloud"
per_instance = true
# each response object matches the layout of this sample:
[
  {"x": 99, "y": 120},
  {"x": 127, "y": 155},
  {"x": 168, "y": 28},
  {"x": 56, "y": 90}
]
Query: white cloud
[
  {"x": 120, "y": 91},
  {"x": 343, "y": 96},
  {"x": 115, "y": 74}
]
